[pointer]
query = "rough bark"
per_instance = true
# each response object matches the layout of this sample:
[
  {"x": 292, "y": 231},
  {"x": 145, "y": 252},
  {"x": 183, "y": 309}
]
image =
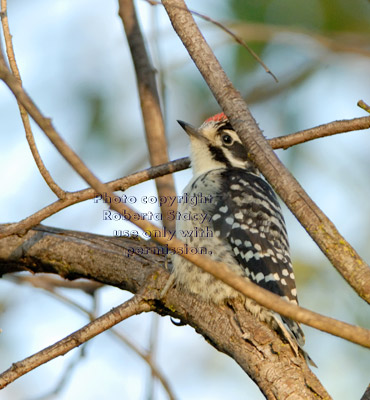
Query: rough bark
[
  {"x": 131, "y": 265},
  {"x": 340, "y": 253}
]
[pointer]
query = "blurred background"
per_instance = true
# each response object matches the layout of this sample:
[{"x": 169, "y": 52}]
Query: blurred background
[{"x": 75, "y": 64}]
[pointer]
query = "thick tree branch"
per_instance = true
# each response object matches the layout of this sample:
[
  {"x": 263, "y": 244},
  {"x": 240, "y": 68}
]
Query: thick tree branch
[
  {"x": 135, "y": 265},
  {"x": 217, "y": 269},
  {"x": 354, "y": 334},
  {"x": 223, "y": 27},
  {"x": 343, "y": 257}
]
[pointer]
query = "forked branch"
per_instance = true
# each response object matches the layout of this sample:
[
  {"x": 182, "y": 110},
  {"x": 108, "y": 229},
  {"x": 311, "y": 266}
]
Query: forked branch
[
  {"x": 282, "y": 142},
  {"x": 219, "y": 270},
  {"x": 341, "y": 254},
  {"x": 133, "y": 266}
]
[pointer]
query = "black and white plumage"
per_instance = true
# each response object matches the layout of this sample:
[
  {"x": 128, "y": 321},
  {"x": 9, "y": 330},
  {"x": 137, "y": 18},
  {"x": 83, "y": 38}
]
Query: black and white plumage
[{"x": 244, "y": 216}]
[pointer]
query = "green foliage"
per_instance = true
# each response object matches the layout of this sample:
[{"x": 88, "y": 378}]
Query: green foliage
[
  {"x": 321, "y": 15},
  {"x": 332, "y": 18}
]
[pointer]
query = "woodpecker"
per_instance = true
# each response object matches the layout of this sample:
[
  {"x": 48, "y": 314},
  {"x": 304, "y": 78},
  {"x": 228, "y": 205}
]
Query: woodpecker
[{"x": 247, "y": 225}]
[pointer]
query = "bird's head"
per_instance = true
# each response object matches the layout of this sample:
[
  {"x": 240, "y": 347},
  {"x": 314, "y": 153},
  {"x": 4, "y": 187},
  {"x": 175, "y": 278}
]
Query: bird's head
[{"x": 215, "y": 145}]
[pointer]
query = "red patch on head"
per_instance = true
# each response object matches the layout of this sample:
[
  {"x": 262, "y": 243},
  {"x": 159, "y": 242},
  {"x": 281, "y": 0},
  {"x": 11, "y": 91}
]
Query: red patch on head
[{"x": 217, "y": 118}]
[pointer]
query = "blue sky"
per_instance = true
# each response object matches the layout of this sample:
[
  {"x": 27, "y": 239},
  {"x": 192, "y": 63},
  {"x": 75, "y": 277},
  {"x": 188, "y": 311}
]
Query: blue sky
[{"x": 68, "y": 52}]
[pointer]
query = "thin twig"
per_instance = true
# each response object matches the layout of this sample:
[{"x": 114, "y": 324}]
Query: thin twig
[
  {"x": 49, "y": 283},
  {"x": 148, "y": 359},
  {"x": 150, "y": 105},
  {"x": 67, "y": 374},
  {"x": 134, "y": 306},
  {"x": 152, "y": 353},
  {"x": 264, "y": 91},
  {"x": 341, "y": 254},
  {"x": 336, "y": 42},
  {"x": 86, "y": 194},
  {"x": 155, "y": 134},
  {"x": 123, "y": 184},
  {"x": 219, "y": 270},
  {"x": 60, "y": 193},
  {"x": 42, "y": 282},
  {"x": 363, "y": 105},
  {"x": 258, "y": 354},
  {"x": 321, "y": 131},
  {"x": 237, "y": 38}
]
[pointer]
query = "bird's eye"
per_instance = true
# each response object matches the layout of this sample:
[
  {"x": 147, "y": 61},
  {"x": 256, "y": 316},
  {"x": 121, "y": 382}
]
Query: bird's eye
[{"x": 227, "y": 139}]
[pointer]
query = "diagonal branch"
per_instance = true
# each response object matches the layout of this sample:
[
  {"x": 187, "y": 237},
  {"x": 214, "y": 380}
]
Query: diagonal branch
[
  {"x": 150, "y": 104},
  {"x": 223, "y": 27},
  {"x": 26, "y": 122},
  {"x": 86, "y": 194},
  {"x": 343, "y": 257},
  {"x": 46, "y": 249},
  {"x": 49, "y": 283},
  {"x": 217, "y": 269},
  {"x": 363, "y": 105},
  {"x": 134, "y": 306},
  {"x": 355, "y": 43},
  {"x": 321, "y": 131},
  {"x": 366, "y": 395},
  {"x": 282, "y": 142},
  {"x": 132, "y": 265},
  {"x": 147, "y": 357}
]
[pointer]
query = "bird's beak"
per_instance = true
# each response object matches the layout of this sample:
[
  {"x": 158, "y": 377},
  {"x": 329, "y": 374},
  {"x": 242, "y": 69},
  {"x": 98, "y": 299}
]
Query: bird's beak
[{"x": 191, "y": 130}]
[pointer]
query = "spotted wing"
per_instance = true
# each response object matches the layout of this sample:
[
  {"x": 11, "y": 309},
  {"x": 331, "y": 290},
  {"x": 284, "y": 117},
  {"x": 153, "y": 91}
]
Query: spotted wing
[{"x": 248, "y": 216}]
